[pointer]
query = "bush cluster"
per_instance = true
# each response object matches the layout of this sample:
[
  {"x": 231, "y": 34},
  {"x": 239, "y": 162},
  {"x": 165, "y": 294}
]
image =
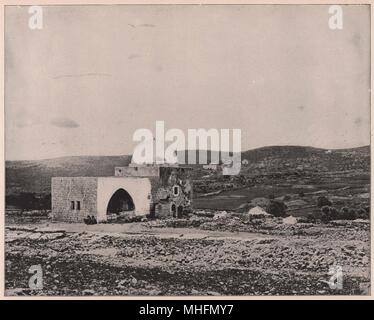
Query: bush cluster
[
  {"x": 329, "y": 213},
  {"x": 276, "y": 208}
]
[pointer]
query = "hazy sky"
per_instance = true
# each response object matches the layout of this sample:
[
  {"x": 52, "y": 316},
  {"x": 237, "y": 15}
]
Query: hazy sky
[{"x": 94, "y": 74}]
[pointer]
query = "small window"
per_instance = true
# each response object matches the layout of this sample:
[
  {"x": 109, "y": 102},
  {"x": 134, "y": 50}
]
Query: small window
[
  {"x": 173, "y": 209},
  {"x": 78, "y": 205},
  {"x": 72, "y": 205},
  {"x": 176, "y": 190}
]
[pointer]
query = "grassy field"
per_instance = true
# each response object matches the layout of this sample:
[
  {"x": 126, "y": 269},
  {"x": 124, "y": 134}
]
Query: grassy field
[{"x": 347, "y": 191}]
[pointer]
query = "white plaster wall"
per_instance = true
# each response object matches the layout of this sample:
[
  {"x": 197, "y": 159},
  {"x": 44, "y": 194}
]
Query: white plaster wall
[{"x": 138, "y": 188}]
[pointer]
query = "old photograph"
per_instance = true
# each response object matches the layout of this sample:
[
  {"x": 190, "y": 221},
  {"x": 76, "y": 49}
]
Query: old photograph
[{"x": 187, "y": 150}]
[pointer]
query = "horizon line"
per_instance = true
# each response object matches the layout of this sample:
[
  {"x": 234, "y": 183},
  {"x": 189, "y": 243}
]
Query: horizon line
[{"x": 207, "y": 150}]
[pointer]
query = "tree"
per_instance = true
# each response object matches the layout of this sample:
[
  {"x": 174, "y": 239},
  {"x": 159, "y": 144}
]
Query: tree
[
  {"x": 329, "y": 213},
  {"x": 27, "y": 201},
  {"x": 348, "y": 213},
  {"x": 45, "y": 202},
  {"x": 276, "y": 208},
  {"x": 310, "y": 218},
  {"x": 344, "y": 212},
  {"x": 325, "y": 214},
  {"x": 323, "y": 201},
  {"x": 362, "y": 214},
  {"x": 352, "y": 214},
  {"x": 334, "y": 214}
]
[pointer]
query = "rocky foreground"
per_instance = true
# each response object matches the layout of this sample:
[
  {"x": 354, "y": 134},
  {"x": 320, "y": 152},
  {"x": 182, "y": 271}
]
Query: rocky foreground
[{"x": 188, "y": 258}]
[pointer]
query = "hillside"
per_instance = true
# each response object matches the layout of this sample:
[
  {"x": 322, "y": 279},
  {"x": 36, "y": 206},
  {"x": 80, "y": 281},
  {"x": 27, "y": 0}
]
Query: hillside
[
  {"x": 35, "y": 176},
  {"x": 280, "y": 158}
]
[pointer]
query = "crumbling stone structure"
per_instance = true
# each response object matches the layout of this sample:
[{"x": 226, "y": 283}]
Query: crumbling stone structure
[{"x": 153, "y": 190}]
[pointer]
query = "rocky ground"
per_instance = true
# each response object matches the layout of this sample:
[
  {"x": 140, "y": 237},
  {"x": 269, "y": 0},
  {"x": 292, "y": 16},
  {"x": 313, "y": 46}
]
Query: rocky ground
[{"x": 196, "y": 256}]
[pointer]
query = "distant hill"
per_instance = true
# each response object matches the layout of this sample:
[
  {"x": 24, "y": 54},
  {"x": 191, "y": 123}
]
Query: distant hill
[
  {"x": 287, "y": 152},
  {"x": 292, "y": 152},
  {"x": 284, "y": 152},
  {"x": 289, "y": 158},
  {"x": 35, "y": 176}
]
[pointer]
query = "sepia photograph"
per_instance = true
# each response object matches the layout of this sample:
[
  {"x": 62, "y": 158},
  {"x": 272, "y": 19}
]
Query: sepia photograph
[{"x": 187, "y": 150}]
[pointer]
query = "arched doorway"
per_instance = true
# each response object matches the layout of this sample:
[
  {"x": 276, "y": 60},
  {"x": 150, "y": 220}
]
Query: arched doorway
[
  {"x": 138, "y": 188},
  {"x": 120, "y": 202}
]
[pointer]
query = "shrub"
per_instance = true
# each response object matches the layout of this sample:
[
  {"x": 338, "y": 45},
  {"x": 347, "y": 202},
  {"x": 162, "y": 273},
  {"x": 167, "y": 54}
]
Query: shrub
[
  {"x": 325, "y": 210},
  {"x": 328, "y": 213},
  {"x": 344, "y": 213},
  {"x": 323, "y": 201},
  {"x": 310, "y": 218},
  {"x": 352, "y": 214},
  {"x": 286, "y": 198},
  {"x": 301, "y": 194},
  {"x": 334, "y": 213},
  {"x": 29, "y": 201},
  {"x": 276, "y": 208},
  {"x": 362, "y": 214},
  {"x": 348, "y": 214},
  {"x": 325, "y": 214},
  {"x": 271, "y": 196}
]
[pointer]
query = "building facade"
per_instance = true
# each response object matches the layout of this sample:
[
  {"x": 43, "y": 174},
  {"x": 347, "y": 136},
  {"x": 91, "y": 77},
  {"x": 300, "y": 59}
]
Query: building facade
[{"x": 145, "y": 190}]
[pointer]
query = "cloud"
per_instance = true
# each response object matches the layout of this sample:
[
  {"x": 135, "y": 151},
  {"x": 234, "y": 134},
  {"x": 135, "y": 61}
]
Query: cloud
[
  {"x": 149, "y": 25},
  {"x": 79, "y": 75},
  {"x": 133, "y": 56},
  {"x": 25, "y": 119},
  {"x": 64, "y": 123},
  {"x": 146, "y": 25},
  {"x": 25, "y": 122}
]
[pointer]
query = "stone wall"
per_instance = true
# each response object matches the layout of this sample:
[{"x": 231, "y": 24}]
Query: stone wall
[
  {"x": 155, "y": 190},
  {"x": 139, "y": 171},
  {"x": 66, "y": 190},
  {"x": 172, "y": 187}
]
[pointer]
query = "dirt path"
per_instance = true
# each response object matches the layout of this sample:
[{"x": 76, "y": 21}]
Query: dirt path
[{"x": 141, "y": 229}]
